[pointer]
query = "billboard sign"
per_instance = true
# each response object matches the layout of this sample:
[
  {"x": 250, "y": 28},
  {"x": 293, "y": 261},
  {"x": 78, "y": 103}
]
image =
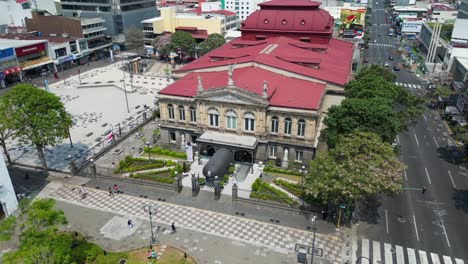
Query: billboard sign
[
  {"x": 6, "y": 54},
  {"x": 413, "y": 26},
  {"x": 30, "y": 49}
]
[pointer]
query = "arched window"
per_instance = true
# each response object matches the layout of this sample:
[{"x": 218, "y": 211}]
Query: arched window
[
  {"x": 301, "y": 127},
  {"x": 193, "y": 114},
  {"x": 213, "y": 114},
  {"x": 231, "y": 120},
  {"x": 274, "y": 124},
  {"x": 170, "y": 111},
  {"x": 181, "y": 113},
  {"x": 249, "y": 122},
  {"x": 287, "y": 126}
]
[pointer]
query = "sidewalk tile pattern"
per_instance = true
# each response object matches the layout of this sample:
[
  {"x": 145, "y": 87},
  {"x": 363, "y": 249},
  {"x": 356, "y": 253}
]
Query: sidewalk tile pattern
[{"x": 279, "y": 238}]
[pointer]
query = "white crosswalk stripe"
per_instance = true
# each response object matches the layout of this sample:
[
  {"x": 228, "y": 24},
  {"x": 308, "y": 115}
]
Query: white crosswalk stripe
[
  {"x": 409, "y": 85},
  {"x": 373, "y": 251}
]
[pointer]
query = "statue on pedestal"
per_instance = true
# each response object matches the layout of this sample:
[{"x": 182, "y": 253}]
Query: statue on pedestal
[{"x": 285, "y": 161}]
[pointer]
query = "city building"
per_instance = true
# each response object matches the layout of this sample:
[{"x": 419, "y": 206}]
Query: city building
[
  {"x": 442, "y": 13},
  {"x": 425, "y": 37},
  {"x": 117, "y": 15},
  {"x": 196, "y": 21},
  {"x": 14, "y": 13},
  {"x": 263, "y": 95},
  {"x": 10, "y": 72},
  {"x": 8, "y": 201},
  {"x": 243, "y": 8},
  {"x": 458, "y": 45},
  {"x": 89, "y": 33}
]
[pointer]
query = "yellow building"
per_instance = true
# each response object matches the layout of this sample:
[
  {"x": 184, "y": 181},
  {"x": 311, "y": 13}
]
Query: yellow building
[{"x": 194, "y": 19}]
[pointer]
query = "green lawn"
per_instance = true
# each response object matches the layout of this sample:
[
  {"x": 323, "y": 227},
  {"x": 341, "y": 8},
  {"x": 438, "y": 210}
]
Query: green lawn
[{"x": 170, "y": 256}]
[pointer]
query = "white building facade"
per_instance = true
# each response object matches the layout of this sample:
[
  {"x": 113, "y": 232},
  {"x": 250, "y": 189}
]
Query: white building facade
[
  {"x": 243, "y": 8},
  {"x": 8, "y": 201}
]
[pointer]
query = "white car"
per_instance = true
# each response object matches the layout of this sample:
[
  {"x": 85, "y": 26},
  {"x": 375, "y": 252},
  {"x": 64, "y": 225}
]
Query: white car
[{"x": 386, "y": 64}]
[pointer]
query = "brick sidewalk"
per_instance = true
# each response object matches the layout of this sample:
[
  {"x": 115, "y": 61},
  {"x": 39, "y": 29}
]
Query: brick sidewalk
[{"x": 275, "y": 237}]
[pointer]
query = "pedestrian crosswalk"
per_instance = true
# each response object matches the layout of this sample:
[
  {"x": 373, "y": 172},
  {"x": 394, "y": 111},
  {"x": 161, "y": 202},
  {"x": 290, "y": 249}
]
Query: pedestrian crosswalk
[
  {"x": 409, "y": 85},
  {"x": 381, "y": 44},
  {"x": 375, "y": 252}
]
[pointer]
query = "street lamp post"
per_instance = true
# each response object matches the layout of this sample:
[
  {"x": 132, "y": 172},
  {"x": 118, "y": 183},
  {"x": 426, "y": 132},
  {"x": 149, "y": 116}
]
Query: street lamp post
[
  {"x": 148, "y": 145},
  {"x": 125, "y": 87},
  {"x": 314, "y": 219},
  {"x": 69, "y": 136},
  {"x": 151, "y": 209},
  {"x": 79, "y": 77},
  {"x": 302, "y": 171}
]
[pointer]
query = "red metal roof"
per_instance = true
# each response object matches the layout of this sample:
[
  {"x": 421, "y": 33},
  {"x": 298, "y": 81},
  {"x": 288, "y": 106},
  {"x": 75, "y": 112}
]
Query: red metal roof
[
  {"x": 282, "y": 91},
  {"x": 334, "y": 62},
  {"x": 290, "y": 3}
]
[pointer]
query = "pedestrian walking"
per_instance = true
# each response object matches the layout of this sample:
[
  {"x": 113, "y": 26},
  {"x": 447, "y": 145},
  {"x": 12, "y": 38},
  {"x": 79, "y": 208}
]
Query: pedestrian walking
[
  {"x": 130, "y": 223},
  {"x": 110, "y": 192},
  {"x": 423, "y": 190},
  {"x": 116, "y": 189},
  {"x": 173, "y": 228}
]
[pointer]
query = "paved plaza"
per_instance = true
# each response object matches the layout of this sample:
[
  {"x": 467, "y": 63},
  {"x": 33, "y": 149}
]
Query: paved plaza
[
  {"x": 96, "y": 105},
  {"x": 273, "y": 237}
]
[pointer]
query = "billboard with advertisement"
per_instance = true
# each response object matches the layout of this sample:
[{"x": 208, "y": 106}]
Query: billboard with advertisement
[
  {"x": 6, "y": 54},
  {"x": 36, "y": 48},
  {"x": 411, "y": 27},
  {"x": 352, "y": 21}
]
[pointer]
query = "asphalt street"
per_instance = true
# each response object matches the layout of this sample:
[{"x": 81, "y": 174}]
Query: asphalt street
[{"x": 436, "y": 220}]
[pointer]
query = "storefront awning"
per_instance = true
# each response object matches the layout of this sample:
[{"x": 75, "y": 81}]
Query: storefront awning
[
  {"x": 210, "y": 137},
  {"x": 11, "y": 70},
  {"x": 32, "y": 66}
]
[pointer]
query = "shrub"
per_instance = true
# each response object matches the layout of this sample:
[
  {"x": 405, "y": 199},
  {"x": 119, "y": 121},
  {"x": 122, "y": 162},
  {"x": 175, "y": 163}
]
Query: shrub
[
  {"x": 290, "y": 187},
  {"x": 283, "y": 171},
  {"x": 179, "y": 168},
  {"x": 201, "y": 181},
  {"x": 256, "y": 184},
  {"x": 167, "y": 152},
  {"x": 7, "y": 228},
  {"x": 231, "y": 169},
  {"x": 226, "y": 177},
  {"x": 128, "y": 159},
  {"x": 169, "y": 163}
]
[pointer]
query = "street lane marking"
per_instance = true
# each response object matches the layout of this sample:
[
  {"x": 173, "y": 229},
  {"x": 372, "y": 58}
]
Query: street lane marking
[
  {"x": 445, "y": 231},
  {"x": 437, "y": 144},
  {"x": 423, "y": 257},
  {"x": 386, "y": 219},
  {"x": 365, "y": 249},
  {"x": 406, "y": 178},
  {"x": 459, "y": 261},
  {"x": 427, "y": 174},
  {"x": 415, "y": 228},
  {"x": 450, "y": 174},
  {"x": 411, "y": 256},
  {"x": 424, "y": 117},
  {"x": 447, "y": 260},
  {"x": 376, "y": 252},
  {"x": 400, "y": 257},
  {"x": 388, "y": 253},
  {"x": 415, "y": 137},
  {"x": 435, "y": 258}
]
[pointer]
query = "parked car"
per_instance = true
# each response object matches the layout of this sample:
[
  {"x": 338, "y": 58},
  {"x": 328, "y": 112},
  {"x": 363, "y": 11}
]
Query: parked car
[
  {"x": 365, "y": 60},
  {"x": 390, "y": 58},
  {"x": 396, "y": 68},
  {"x": 386, "y": 64}
]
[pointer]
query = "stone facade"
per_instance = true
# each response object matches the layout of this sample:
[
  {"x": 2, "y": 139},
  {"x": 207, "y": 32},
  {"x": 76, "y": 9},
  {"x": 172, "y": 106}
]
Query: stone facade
[{"x": 234, "y": 110}]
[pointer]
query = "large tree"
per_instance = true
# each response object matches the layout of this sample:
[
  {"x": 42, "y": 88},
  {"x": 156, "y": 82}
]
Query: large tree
[
  {"x": 183, "y": 41},
  {"x": 369, "y": 115},
  {"x": 37, "y": 116},
  {"x": 377, "y": 70},
  {"x": 361, "y": 165},
  {"x": 160, "y": 43},
  {"x": 134, "y": 38},
  {"x": 213, "y": 41},
  {"x": 5, "y": 129},
  {"x": 407, "y": 107}
]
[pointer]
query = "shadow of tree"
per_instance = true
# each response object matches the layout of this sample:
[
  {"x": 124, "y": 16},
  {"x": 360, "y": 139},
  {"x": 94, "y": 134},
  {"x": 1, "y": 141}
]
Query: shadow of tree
[
  {"x": 450, "y": 154},
  {"x": 368, "y": 210},
  {"x": 461, "y": 200}
]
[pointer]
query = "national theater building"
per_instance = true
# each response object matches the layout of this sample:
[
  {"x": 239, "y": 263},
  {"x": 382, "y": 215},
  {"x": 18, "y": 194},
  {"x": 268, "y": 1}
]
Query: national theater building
[{"x": 261, "y": 95}]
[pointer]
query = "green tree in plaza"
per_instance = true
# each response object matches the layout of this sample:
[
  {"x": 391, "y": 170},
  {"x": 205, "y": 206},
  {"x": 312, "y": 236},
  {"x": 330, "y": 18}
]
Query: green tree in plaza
[
  {"x": 182, "y": 40},
  {"x": 359, "y": 166},
  {"x": 134, "y": 38},
  {"x": 369, "y": 115},
  {"x": 37, "y": 117},
  {"x": 5, "y": 129},
  {"x": 160, "y": 43},
  {"x": 443, "y": 92},
  {"x": 213, "y": 41},
  {"x": 377, "y": 70}
]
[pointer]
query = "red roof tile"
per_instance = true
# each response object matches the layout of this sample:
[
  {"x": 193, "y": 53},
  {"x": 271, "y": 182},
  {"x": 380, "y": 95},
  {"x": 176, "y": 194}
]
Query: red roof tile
[
  {"x": 282, "y": 91},
  {"x": 334, "y": 63}
]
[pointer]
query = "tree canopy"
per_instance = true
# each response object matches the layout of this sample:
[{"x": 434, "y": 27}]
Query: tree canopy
[
  {"x": 361, "y": 165},
  {"x": 134, "y": 38},
  {"x": 37, "y": 117},
  {"x": 5, "y": 129},
  {"x": 370, "y": 115},
  {"x": 213, "y": 41},
  {"x": 377, "y": 70},
  {"x": 182, "y": 40},
  {"x": 160, "y": 43}
]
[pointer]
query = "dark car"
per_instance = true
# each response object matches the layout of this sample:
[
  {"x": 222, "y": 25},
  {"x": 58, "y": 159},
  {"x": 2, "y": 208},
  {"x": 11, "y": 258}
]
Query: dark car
[
  {"x": 367, "y": 46},
  {"x": 396, "y": 68},
  {"x": 390, "y": 58},
  {"x": 365, "y": 60}
]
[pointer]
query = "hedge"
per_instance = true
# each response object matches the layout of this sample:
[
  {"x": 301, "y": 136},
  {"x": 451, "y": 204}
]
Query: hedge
[
  {"x": 7, "y": 228},
  {"x": 128, "y": 160},
  {"x": 283, "y": 171},
  {"x": 263, "y": 190},
  {"x": 152, "y": 176},
  {"x": 290, "y": 187},
  {"x": 166, "y": 152}
]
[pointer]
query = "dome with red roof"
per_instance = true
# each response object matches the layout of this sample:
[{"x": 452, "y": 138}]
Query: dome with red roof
[{"x": 298, "y": 19}]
